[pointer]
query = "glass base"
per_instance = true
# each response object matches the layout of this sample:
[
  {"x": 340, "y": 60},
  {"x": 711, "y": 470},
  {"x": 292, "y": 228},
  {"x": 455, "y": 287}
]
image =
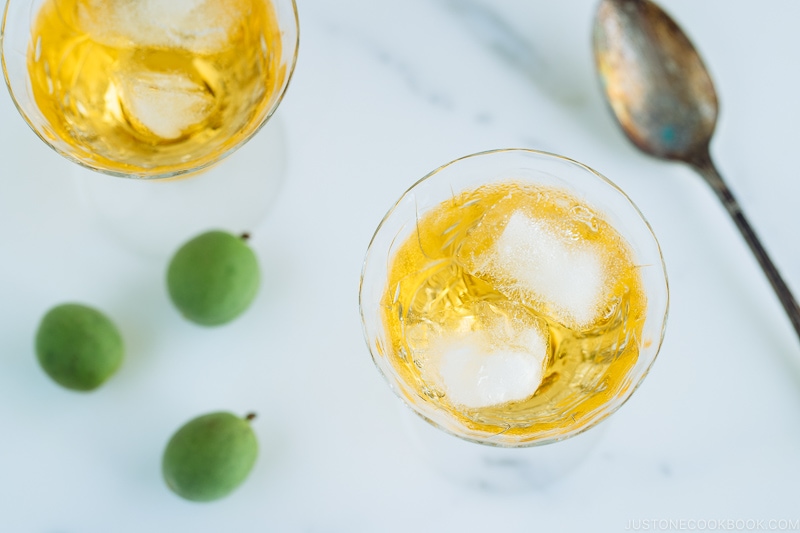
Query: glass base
[
  {"x": 154, "y": 217},
  {"x": 494, "y": 468}
]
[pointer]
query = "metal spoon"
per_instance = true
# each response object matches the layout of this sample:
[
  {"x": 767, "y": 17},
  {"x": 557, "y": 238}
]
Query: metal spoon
[{"x": 664, "y": 99}]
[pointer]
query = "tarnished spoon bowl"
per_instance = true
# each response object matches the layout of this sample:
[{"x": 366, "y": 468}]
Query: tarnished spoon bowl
[{"x": 664, "y": 99}]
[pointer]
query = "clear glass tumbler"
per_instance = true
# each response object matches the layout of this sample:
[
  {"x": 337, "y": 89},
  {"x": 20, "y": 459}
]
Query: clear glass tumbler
[
  {"x": 157, "y": 90},
  {"x": 152, "y": 88},
  {"x": 514, "y": 299}
]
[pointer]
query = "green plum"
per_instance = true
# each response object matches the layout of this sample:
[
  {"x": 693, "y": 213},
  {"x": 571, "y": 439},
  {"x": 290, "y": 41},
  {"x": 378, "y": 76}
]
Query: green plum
[
  {"x": 78, "y": 346},
  {"x": 210, "y": 456},
  {"x": 213, "y": 278}
]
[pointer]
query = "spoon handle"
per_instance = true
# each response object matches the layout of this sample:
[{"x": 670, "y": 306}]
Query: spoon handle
[{"x": 705, "y": 166}]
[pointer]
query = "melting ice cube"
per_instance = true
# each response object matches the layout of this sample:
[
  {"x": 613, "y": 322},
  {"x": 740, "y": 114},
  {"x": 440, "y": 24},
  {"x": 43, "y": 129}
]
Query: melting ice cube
[
  {"x": 196, "y": 25},
  {"x": 568, "y": 275},
  {"x": 475, "y": 373},
  {"x": 165, "y": 104}
]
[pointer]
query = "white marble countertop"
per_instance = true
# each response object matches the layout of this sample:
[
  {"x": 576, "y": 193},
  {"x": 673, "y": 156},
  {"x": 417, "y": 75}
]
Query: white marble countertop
[{"x": 383, "y": 93}]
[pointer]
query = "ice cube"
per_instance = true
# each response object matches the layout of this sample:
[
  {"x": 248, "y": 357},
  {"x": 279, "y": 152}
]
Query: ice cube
[
  {"x": 569, "y": 275},
  {"x": 164, "y": 104},
  {"x": 195, "y": 25},
  {"x": 473, "y": 375}
]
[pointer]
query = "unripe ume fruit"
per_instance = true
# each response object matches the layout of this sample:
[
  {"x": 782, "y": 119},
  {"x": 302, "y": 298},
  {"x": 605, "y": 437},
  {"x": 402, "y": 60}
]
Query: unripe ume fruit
[{"x": 213, "y": 278}]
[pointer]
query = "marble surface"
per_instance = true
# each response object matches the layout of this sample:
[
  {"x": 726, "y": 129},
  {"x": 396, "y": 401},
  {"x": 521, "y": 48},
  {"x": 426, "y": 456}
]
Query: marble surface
[{"x": 384, "y": 92}]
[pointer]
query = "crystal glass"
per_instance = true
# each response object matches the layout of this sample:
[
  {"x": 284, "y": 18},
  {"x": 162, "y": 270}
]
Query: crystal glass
[
  {"x": 513, "y": 298},
  {"x": 148, "y": 88},
  {"x": 157, "y": 90}
]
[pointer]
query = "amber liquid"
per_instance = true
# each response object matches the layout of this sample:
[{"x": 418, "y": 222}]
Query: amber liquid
[
  {"x": 153, "y": 87},
  {"x": 438, "y": 284}
]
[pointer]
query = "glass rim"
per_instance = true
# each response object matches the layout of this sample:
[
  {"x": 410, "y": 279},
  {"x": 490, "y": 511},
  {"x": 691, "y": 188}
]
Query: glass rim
[
  {"x": 291, "y": 64},
  {"x": 395, "y": 382}
]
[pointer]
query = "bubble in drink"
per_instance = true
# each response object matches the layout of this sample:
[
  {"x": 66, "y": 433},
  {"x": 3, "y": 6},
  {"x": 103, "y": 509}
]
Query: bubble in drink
[{"x": 515, "y": 308}]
